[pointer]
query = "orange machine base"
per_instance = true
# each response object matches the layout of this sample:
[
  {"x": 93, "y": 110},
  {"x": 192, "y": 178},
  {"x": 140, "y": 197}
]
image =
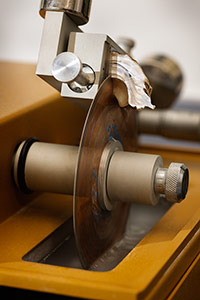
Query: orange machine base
[{"x": 165, "y": 264}]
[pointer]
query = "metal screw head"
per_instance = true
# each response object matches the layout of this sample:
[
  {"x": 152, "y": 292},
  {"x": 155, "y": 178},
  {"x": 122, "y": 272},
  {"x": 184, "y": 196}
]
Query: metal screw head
[
  {"x": 177, "y": 180},
  {"x": 66, "y": 67}
]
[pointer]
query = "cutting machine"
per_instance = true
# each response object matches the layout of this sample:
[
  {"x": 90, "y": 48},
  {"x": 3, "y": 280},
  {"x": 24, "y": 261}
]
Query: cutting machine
[{"x": 81, "y": 193}]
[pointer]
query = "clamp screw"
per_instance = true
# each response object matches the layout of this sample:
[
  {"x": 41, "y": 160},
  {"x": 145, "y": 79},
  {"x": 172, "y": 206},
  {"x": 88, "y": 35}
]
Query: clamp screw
[{"x": 68, "y": 68}]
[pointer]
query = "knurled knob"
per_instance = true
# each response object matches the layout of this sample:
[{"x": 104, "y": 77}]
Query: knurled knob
[{"x": 177, "y": 180}]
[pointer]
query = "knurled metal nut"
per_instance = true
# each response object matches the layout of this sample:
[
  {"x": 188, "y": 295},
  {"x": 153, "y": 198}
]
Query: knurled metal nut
[{"x": 176, "y": 182}]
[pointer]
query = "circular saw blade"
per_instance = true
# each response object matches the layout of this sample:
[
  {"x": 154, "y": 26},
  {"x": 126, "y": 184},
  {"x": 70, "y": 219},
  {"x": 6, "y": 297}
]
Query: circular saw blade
[{"x": 96, "y": 229}]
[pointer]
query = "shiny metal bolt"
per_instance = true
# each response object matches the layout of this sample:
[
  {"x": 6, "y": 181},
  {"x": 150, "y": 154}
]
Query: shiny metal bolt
[
  {"x": 68, "y": 68},
  {"x": 172, "y": 182}
]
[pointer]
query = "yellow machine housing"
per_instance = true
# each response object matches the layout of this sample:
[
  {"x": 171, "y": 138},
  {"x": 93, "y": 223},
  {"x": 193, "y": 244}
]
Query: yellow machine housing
[{"x": 166, "y": 262}]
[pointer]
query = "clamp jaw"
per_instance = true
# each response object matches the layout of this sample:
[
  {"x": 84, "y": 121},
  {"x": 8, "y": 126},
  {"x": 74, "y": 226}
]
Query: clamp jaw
[{"x": 89, "y": 58}]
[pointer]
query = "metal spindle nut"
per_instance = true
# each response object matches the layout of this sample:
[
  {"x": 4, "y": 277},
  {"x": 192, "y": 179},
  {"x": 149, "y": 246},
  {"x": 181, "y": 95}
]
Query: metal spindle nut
[{"x": 177, "y": 179}]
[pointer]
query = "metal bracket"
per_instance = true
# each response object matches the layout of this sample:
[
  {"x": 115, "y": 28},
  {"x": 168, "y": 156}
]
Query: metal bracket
[{"x": 61, "y": 34}]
